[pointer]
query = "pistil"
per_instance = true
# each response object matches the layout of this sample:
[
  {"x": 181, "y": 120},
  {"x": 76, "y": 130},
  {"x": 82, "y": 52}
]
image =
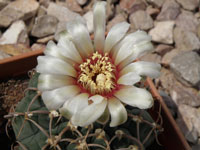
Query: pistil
[{"x": 97, "y": 74}]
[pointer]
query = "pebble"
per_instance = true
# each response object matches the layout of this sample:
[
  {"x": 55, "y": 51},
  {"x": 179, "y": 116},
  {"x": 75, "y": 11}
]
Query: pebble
[
  {"x": 187, "y": 21},
  {"x": 3, "y": 55},
  {"x": 188, "y": 122},
  {"x": 169, "y": 102},
  {"x": 44, "y": 26},
  {"x": 152, "y": 57},
  {"x": 131, "y": 6},
  {"x": 3, "y": 3},
  {"x": 186, "y": 67},
  {"x": 170, "y": 10},
  {"x": 156, "y": 3},
  {"x": 162, "y": 49},
  {"x": 109, "y": 10},
  {"x": 20, "y": 9},
  {"x": 82, "y": 2},
  {"x": 189, "y": 4},
  {"x": 152, "y": 11},
  {"x": 163, "y": 32},
  {"x": 16, "y": 33},
  {"x": 45, "y": 39},
  {"x": 63, "y": 14},
  {"x": 184, "y": 95},
  {"x": 37, "y": 46},
  {"x": 141, "y": 20},
  {"x": 89, "y": 21},
  {"x": 41, "y": 11},
  {"x": 14, "y": 49},
  {"x": 117, "y": 19},
  {"x": 72, "y": 5},
  {"x": 185, "y": 40},
  {"x": 167, "y": 58},
  {"x": 61, "y": 26}
]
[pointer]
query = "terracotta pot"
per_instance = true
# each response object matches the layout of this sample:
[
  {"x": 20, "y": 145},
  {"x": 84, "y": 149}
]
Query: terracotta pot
[
  {"x": 20, "y": 64},
  {"x": 171, "y": 139}
]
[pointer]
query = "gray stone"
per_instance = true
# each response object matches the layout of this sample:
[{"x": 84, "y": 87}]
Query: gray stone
[
  {"x": 63, "y": 14},
  {"x": 82, "y": 2},
  {"x": 3, "y": 55},
  {"x": 16, "y": 33},
  {"x": 186, "y": 67},
  {"x": 170, "y": 10},
  {"x": 157, "y": 3},
  {"x": 185, "y": 40},
  {"x": 189, "y": 4},
  {"x": 163, "y": 32},
  {"x": 196, "y": 146},
  {"x": 184, "y": 95},
  {"x": 187, "y": 21},
  {"x": 20, "y": 9},
  {"x": 141, "y": 20},
  {"x": 167, "y": 58},
  {"x": 117, "y": 19},
  {"x": 89, "y": 20},
  {"x": 189, "y": 122},
  {"x": 44, "y": 26}
]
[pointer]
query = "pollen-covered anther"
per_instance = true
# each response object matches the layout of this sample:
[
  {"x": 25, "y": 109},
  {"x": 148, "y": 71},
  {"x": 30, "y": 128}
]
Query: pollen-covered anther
[{"x": 97, "y": 74}]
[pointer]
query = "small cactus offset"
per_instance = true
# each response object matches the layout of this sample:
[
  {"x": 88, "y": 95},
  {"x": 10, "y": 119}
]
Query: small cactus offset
[{"x": 36, "y": 128}]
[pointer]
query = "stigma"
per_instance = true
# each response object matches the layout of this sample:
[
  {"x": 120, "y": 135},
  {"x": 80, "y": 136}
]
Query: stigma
[{"x": 97, "y": 74}]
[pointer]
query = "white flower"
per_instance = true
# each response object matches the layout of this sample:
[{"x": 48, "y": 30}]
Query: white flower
[{"x": 85, "y": 80}]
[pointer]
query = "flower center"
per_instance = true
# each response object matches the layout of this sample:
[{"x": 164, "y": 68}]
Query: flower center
[{"x": 97, "y": 74}]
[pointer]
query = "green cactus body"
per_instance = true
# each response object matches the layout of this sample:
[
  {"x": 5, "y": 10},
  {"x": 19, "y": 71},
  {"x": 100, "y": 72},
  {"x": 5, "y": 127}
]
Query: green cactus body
[{"x": 34, "y": 130}]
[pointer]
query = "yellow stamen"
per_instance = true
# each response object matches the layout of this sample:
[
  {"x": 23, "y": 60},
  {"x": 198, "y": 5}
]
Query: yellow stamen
[{"x": 97, "y": 74}]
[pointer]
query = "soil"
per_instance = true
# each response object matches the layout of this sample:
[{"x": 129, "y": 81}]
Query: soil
[{"x": 11, "y": 92}]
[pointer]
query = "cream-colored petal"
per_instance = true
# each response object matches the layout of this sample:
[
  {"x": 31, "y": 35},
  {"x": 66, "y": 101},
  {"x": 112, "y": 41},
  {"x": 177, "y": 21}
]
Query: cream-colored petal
[
  {"x": 67, "y": 48},
  {"x": 129, "y": 79},
  {"x": 134, "y": 96},
  {"x": 89, "y": 115},
  {"x": 74, "y": 105},
  {"x": 52, "y": 50},
  {"x": 80, "y": 37},
  {"x": 130, "y": 39},
  {"x": 143, "y": 68},
  {"x": 49, "y": 81},
  {"x": 56, "y": 98},
  {"x": 104, "y": 117},
  {"x": 116, "y": 33},
  {"x": 139, "y": 50},
  {"x": 117, "y": 111},
  {"x": 132, "y": 43},
  {"x": 96, "y": 99},
  {"x": 53, "y": 65},
  {"x": 99, "y": 11}
]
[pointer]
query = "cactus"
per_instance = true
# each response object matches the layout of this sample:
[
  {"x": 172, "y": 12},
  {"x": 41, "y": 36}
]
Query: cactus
[{"x": 36, "y": 128}]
